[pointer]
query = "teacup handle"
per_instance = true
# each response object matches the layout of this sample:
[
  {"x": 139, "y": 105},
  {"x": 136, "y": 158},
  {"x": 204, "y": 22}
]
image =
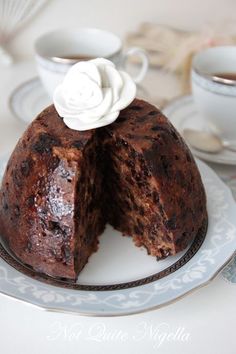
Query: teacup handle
[{"x": 144, "y": 59}]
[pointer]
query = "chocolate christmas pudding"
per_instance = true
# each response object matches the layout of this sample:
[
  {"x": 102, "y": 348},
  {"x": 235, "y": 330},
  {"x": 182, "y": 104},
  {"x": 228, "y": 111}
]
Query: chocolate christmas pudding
[{"x": 69, "y": 175}]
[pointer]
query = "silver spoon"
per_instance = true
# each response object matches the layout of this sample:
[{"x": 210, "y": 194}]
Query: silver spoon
[{"x": 207, "y": 142}]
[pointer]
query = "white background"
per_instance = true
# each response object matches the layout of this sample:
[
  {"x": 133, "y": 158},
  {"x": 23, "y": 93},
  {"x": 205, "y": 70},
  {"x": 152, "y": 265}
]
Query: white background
[
  {"x": 209, "y": 314},
  {"x": 121, "y": 16}
]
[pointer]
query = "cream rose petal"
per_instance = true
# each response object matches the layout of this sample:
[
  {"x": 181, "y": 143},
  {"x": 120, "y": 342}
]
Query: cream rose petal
[
  {"x": 101, "y": 62},
  {"x": 115, "y": 81},
  {"x": 92, "y": 94},
  {"x": 87, "y": 67},
  {"x": 127, "y": 94},
  {"x": 60, "y": 103},
  {"x": 83, "y": 94},
  {"x": 99, "y": 111},
  {"x": 90, "y": 115},
  {"x": 82, "y": 126}
]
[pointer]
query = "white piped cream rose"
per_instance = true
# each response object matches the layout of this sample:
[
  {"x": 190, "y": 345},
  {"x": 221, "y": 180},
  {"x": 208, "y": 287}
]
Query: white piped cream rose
[{"x": 92, "y": 94}]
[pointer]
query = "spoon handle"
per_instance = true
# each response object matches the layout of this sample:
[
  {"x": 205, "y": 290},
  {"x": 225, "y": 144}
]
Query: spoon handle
[{"x": 229, "y": 146}]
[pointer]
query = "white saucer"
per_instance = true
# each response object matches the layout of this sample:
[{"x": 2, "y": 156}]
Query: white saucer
[
  {"x": 28, "y": 100},
  {"x": 183, "y": 113}
]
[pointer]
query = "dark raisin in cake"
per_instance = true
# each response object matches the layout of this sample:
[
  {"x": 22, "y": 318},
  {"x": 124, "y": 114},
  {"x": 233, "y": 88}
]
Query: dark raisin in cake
[{"x": 154, "y": 188}]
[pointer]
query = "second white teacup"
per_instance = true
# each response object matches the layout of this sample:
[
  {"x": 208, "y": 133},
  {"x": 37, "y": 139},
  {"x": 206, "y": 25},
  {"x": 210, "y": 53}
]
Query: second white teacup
[
  {"x": 57, "y": 51},
  {"x": 214, "y": 89}
]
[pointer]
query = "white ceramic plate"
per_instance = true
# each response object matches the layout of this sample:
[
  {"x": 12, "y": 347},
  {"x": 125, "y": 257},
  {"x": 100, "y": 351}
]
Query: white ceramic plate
[
  {"x": 122, "y": 279},
  {"x": 28, "y": 100},
  {"x": 183, "y": 113}
]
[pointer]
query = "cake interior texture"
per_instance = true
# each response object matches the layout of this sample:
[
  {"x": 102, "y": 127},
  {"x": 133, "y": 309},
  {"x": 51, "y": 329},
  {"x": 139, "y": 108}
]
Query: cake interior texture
[{"x": 61, "y": 187}]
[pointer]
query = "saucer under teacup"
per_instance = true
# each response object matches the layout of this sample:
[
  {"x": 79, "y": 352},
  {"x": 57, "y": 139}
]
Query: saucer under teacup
[
  {"x": 183, "y": 114},
  {"x": 30, "y": 98}
]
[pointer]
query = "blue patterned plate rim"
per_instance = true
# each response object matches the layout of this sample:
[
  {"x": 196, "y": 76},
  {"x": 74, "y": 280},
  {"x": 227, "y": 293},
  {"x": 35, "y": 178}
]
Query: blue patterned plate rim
[{"x": 215, "y": 252}]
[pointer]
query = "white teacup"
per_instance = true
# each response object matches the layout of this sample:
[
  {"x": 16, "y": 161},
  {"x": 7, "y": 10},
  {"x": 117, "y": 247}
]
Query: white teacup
[
  {"x": 57, "y": 51},
  {"x": 214, "y": 93}
]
